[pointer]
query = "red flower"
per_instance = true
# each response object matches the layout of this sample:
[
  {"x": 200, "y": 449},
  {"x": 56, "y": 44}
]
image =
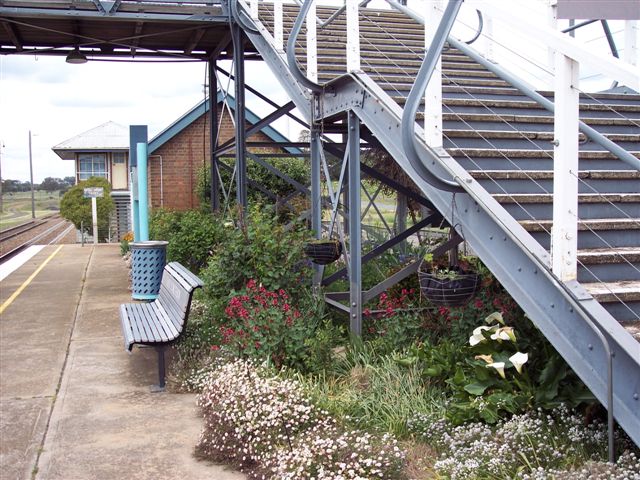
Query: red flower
[
  {"x": 215, "y": 347},
  {"x": 251, "y": 284},
  {"x": 478, "y": 303}
]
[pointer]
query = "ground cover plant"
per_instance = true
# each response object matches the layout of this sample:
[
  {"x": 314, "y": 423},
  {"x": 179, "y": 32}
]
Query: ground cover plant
[{"x": 270, "y": 429}]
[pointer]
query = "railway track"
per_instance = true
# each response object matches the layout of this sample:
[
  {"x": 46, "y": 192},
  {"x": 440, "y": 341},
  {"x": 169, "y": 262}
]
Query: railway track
[{"x": 48, "y": 230}]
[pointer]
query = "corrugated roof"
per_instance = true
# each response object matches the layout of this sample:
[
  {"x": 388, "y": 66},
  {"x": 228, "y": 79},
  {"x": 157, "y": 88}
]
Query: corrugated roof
[{"x": 106, "y": 137}]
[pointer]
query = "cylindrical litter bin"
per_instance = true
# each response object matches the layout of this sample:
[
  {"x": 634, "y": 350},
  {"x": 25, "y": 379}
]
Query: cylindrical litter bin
[{"x": 148, "y": 260}]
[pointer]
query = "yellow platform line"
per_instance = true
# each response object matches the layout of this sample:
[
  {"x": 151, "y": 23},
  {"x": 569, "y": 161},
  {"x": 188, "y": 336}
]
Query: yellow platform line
[{"x": 15, "y": 294}]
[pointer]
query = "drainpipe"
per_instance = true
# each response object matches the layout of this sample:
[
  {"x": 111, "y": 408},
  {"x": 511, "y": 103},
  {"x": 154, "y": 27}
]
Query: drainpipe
[{"x": 143, "y": 199}]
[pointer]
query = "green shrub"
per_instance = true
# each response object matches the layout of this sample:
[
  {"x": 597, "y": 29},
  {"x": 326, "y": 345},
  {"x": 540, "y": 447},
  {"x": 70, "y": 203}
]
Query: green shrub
[
  {"x": 77, "y": 209},
  {"x": 259, "y": 249},
  {"x": 192, "y": 235}
]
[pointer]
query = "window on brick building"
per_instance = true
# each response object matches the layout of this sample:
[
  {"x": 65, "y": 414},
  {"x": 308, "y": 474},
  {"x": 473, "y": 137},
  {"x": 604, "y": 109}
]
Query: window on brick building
[{"x": 92, "y": 165}]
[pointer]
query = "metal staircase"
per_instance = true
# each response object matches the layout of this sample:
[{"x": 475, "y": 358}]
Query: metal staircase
[{"x": 498, "y": 147}]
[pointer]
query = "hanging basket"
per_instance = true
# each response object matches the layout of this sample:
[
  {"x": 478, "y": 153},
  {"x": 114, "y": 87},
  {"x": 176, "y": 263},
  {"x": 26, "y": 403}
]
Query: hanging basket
[
  {"x": 452, "y": 287},
  {"x": 323, "y": 252}
]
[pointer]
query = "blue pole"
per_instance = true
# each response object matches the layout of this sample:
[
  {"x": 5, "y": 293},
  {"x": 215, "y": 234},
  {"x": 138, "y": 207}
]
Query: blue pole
[{"x": 143, "y": 202}]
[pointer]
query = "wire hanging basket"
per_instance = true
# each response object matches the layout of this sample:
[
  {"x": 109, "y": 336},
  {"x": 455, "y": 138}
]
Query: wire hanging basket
[
  {"x": 323, "y": 252},
  {"x": 452, "y": 287}
]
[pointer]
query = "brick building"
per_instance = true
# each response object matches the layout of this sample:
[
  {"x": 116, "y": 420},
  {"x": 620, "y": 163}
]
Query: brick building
[
  {"x": 181, "y": 151},
  {"x": 176, "y": 156}
]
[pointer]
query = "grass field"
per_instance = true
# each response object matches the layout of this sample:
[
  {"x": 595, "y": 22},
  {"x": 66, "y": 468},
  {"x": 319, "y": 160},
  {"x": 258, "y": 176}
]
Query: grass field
[{"x": 16, "y": 207}]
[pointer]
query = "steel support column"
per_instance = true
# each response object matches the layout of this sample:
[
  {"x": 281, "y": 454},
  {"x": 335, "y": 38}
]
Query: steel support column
[
  {"x": 316, "y": 198},
  {"x": 355, "y": 228},
  {"x": 241, "y": 161},
  {"x": 213, "y": 135}
]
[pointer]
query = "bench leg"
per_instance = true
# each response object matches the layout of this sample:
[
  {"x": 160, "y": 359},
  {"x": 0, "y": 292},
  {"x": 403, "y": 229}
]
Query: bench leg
[{"x": 161, "y": 371}]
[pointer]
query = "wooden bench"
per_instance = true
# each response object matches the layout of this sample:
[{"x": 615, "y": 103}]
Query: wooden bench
[{"x": 161, "y": 322}]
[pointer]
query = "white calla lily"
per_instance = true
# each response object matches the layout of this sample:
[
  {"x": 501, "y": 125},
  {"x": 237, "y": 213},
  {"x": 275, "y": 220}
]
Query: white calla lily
[
  {"x": 477, "y": 336},
  {"x": 486, "y": 358},
  {"x": 519, "y": 359},
  {"x": 504, "y": 333},
  {"x": 499, "y": 366},
  {"x": 494, "y": 317}
]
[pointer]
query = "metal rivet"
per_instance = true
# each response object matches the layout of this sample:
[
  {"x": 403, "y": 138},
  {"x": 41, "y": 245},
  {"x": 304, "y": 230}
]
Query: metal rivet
[
  {"x": 353, "y": 304},
  {"x": 553, "y": 305},
  {"x": 504, "y": 239},
  {"x": 535, "y": 271},
  {"x": 519, "y": 269},
  {"x": 635, "y": 396},
  {"x": 490, "y": 237},
  {"x": 571, "y": 310},
  {"x": 590, "y": 347},
  {"x": 354, "y": 315}
]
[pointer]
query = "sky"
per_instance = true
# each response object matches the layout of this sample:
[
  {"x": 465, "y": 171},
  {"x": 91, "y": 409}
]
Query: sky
[{"x": 56, "y": 101}]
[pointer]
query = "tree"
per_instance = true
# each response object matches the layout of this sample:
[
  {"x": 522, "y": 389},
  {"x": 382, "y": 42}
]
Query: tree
[
  {"x": 70, "y": 181},
  {"x": 50, "y": 184},
  {"x": 77, "y": 209}
]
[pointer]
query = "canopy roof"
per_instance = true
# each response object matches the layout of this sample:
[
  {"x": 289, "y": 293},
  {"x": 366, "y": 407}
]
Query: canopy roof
[{"x": 140, "y": 28}]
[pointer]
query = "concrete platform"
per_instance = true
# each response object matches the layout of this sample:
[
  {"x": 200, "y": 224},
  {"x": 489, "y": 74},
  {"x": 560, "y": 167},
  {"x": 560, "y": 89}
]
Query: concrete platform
[{"x": 73, "y": 404}]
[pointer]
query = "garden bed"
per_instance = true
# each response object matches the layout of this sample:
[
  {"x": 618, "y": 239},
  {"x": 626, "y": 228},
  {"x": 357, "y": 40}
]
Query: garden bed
[{"x": 429, "y": 391}]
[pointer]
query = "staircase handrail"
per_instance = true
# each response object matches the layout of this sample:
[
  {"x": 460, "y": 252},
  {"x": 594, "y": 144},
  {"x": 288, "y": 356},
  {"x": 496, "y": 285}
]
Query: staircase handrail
[
  {"x": 413, "y": 101},
  {"x": 521, "y": 85},
  {"x": 291, "y": 50}
]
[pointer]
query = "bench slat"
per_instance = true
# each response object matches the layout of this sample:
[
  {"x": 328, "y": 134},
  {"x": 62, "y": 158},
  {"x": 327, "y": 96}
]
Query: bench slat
[
  {"x": 135, "y": 328},
  {"x": 172, "y": 309},
  {"x": 158, "y": 334},
  {"x": 194, "y": 281},
  {"x": 172, "y": 289},
  {"x": 172, "y": 330},
  {"x": 175, "y": 322},
  {"x": 126, "y": 328},
  {"x": 147, "y": 331}
]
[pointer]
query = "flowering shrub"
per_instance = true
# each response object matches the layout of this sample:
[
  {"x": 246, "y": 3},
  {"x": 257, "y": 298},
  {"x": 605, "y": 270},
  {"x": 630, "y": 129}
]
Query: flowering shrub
[
  {"x": 534, "y": 445},
  {"x": 264, "y": 324},
  {"x": 392, "y": 323},
  {"x": 269, "y": 428}
]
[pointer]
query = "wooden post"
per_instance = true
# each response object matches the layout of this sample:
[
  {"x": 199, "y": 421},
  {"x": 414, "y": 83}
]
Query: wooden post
[
  {"x": 564, "y": 233},
  {"x": 433, "y": 92},
  {"x": 312, "y": 44},
  {"x": 353, "y": 36}
]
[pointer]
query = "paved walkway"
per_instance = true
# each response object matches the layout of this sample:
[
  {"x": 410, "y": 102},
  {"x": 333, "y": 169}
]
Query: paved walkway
[{"x": 73, "y": 404}]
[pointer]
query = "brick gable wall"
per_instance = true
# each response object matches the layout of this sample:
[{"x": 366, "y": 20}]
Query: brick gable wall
[{"x": 182, "y": 156}]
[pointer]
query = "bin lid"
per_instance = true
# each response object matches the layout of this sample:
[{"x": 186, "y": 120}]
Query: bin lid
[{"x": 149, "y": 244}]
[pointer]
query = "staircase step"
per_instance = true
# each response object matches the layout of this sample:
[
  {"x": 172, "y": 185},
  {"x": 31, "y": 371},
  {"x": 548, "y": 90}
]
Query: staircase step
[
  {"x": 548, "y": 174},
  {"x": 633, "y": 328},
  {"x": 529, "y": 198},
  {"x": 625, "y": 291},
  {"x": 541, "y": 119},
  {"x": 586, "y": 225},
  {"x": 541, "y": 181},
  {"x": 597, "y": 256},
  {"x": 523, "y": 153}
]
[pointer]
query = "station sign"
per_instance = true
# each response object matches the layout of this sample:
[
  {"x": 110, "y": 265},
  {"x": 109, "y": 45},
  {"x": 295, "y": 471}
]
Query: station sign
[{"x": 93, "y": 192}]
